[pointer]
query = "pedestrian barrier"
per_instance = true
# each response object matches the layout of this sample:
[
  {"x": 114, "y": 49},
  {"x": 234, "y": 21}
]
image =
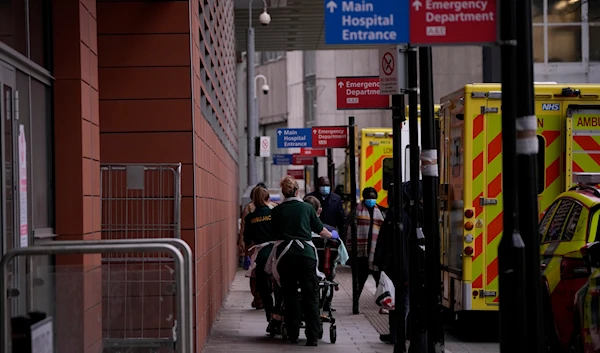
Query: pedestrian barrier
[
  {"x": 186, "y": 251},
  {"x": 181, "y": 339},
  {"x": 139, "y": 201}
]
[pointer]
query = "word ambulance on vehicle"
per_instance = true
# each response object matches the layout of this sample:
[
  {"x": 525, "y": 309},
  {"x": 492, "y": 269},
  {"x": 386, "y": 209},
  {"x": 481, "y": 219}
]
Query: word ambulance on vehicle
[
  {"x": 471, "y": 176},
  {"x": 376, "y": 163}
]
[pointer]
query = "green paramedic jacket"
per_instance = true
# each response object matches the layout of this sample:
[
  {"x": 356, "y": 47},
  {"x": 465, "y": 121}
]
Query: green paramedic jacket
[{"x": 294, "y": 219}]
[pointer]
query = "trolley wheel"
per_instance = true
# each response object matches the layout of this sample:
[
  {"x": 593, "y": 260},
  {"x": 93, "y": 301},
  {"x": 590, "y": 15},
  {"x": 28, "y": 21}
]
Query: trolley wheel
[
  {"x": 284, "y": 333},
  {"x": 332, "y": 333}
]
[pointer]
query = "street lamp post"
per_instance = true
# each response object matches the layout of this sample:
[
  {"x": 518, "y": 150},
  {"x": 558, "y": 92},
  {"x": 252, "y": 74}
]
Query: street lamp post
[
  {"x": 251, "y": 93},
  {"x": 265, "y": 89}
]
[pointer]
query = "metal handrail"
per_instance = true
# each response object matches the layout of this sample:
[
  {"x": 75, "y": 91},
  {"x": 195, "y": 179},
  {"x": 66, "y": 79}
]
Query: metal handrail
[
  {"x": 178, "y": 243},
  {"x": 184, "y": 347}
]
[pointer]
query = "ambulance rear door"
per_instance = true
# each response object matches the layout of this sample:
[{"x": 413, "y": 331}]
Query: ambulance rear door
[
  {"x": 550, "y": 128},
  {"x": 583, "y": 144}
]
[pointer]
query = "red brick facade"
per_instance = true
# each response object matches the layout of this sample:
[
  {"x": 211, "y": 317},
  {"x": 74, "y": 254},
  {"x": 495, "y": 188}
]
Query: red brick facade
[{"x": 124, "y": 93}]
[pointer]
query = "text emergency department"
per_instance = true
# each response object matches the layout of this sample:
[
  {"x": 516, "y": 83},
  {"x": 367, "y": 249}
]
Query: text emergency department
[
  {"x": 465, "y": 11},
  {"x": 355, "y": 89}
]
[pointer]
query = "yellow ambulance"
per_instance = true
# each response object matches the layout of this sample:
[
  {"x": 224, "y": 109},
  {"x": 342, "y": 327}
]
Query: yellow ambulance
[
  {"x": 471, "y": 176},
  {"x": 376, "y": 163}
]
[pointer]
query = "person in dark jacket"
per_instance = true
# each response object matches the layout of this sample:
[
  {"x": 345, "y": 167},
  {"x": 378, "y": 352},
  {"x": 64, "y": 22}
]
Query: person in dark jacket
[
  {"x": 333, "y": 212},
  {"x": 384, "y": 260},
  {"x": 258, "y": 232},
  {"x": 294, "y": 221}
]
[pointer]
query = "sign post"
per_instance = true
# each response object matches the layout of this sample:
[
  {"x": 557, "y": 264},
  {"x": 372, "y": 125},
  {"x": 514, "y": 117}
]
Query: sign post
[
  {"x": 353, "y": 220},
  {"x": 360, "y": 93},
  {"x": 527, "y": 159},
  {"x": 429, "y": 168},
  {"x": 511, "y": 249}
]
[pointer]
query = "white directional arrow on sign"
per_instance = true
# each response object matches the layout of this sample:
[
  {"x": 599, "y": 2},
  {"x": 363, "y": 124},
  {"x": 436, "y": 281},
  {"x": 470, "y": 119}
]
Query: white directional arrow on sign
[
  {"x": 417, "y": 5},
  {"x": 331, "y": 5},
  {"x": 279, "y": 132},
  {"x": 341, "y": 84}
]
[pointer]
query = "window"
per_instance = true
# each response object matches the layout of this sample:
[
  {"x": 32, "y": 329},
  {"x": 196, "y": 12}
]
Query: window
[
  {"x": 456, "y": 157},
  {"x": 310, "y": 62},
  {"x": 572, "y": 221},
  {"x": 566, "y": 31},
  {"x": 594, "y": 29},
  {"x": 13, "y": 24},
  {"x": 310, "y": 100},
  {"x": 546, "y": 220},
  {"x": 42, "y": 180},
  {"x": 406, "y": 163},
  {"x": 268, "y": 56},
  {"x": 388, "y": 173},
  {"x": 25, "y": 27},
  {"x": 558, "y": 221},
  {"x": 541, "y": 165},
  {"x": 35, "y": 116}
]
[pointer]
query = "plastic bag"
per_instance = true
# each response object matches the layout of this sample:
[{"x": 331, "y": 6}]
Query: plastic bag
[{"x": 385, "y": 293}]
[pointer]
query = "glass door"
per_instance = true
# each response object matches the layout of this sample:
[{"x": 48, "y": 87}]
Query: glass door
[{"x": 11, "y": 225}]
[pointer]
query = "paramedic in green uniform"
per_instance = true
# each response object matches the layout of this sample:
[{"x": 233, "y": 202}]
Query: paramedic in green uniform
[
  {"x": 293, "y": 223},
  {"x": 258, "y": 231}
]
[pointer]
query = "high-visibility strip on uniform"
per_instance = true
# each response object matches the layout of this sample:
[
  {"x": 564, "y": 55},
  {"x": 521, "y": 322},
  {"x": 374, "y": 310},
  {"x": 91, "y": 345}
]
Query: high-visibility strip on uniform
[{"x": 478, "y": 189}]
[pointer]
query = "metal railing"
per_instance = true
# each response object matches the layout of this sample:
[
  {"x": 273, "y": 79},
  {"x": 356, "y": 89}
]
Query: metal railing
[
  {"x": 140, "y": 201},
  {"x": 186, "y": 251},
  {"x": 182, "y": 278}
]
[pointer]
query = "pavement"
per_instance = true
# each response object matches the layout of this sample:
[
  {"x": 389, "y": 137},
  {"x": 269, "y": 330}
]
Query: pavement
[{"x": 239, "y": 328}]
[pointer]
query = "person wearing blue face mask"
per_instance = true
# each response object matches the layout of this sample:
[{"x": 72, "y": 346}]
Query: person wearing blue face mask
[
  {"x": 333, "y": 213},
  {"x": 369, "y": 220}
]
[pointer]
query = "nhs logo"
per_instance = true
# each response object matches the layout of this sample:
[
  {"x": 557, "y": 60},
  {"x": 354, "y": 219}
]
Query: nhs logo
[{"x": 549, "y": 106}]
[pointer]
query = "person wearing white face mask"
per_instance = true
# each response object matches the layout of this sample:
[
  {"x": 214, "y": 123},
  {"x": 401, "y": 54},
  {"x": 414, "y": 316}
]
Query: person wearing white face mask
[
  {"x": 333, "y": 212},
  {"x": 369, "y": 220}
]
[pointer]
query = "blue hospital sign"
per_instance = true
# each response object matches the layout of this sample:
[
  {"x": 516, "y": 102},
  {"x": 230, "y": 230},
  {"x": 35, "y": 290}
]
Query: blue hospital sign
[
  {"x": 293, "y": 138},
  {"x": 366, "y": 22}
]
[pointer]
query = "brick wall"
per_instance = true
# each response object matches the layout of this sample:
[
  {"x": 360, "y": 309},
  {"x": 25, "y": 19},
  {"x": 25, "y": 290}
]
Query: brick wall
[
  {"x": 215, "y": 133},
  {"x": 77, "y": 166},
  {"x": 151, "y": 111}
]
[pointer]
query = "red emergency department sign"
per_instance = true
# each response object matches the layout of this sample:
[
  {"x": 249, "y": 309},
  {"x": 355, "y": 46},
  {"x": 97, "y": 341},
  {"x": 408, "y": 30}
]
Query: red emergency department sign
[
  {"x": 313, "y": 153},
  {"x": 360, "y": 93},
  {"x": 296, "y": 173},
  {"x": 439, "y": 22},
  {"x": 302, "y": 160},
  {"x": 330, "y": 137}
]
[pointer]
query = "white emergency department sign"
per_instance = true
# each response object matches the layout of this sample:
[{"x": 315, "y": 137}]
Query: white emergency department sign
[{"x": 265, "y": 146}]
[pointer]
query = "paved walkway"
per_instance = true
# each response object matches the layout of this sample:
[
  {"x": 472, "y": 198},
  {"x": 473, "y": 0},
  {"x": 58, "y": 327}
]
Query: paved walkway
[{"x": 239, "y": 328}]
